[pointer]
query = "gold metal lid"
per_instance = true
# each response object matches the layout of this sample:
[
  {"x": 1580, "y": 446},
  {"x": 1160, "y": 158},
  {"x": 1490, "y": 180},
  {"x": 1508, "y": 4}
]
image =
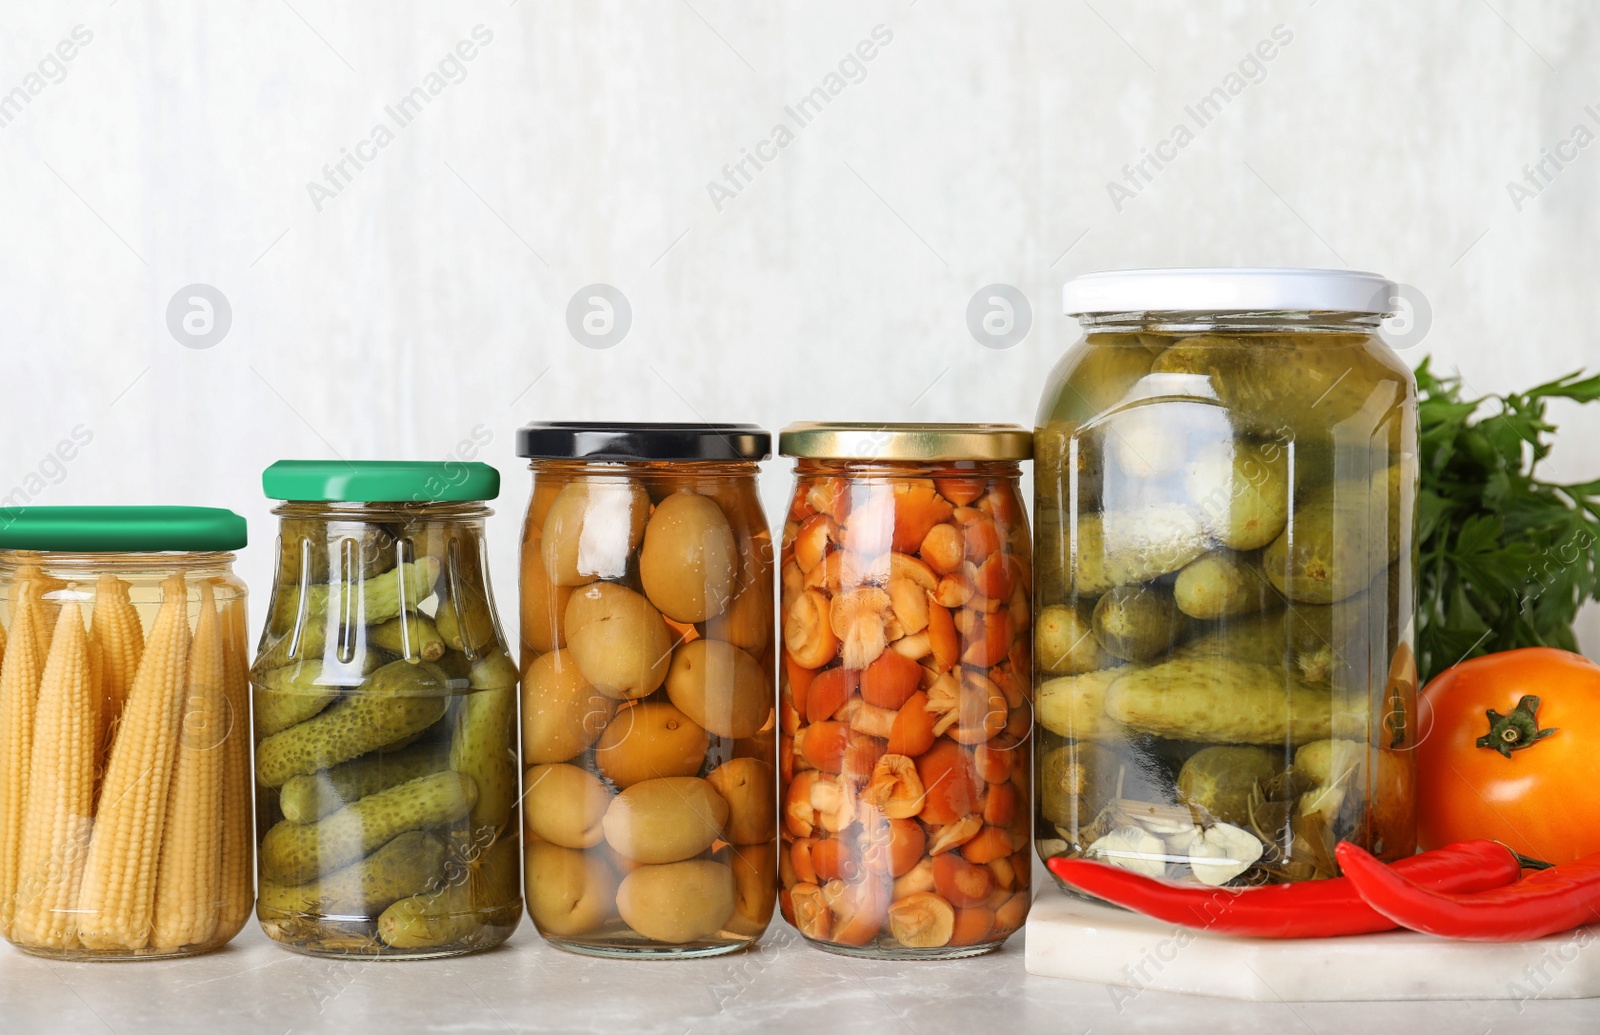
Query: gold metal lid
[{"x": 868, "y": 441}]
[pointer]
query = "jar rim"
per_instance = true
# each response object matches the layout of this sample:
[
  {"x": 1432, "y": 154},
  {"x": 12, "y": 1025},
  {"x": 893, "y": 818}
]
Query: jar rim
[
  {"x": 850, "y": 440},
  {"x": 1230, "y": 290},
  {"x": 625, "y": 442}
]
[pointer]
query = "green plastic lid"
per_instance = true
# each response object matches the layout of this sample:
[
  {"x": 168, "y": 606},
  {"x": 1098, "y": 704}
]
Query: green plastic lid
[
  {"x": 120, "y": 529},
  {"x": 381, "y": 481}
]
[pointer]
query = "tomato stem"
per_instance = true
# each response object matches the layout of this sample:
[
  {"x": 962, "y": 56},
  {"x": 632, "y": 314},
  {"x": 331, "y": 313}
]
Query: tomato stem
[{"x": 1518, "y": 730}]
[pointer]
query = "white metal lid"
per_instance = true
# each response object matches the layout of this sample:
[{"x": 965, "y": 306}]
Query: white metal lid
[{"x": 1225, "y": 290}]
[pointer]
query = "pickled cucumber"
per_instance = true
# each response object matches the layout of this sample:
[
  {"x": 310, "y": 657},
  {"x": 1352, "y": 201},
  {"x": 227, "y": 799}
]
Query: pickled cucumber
[
  {"x": 293, "y": 853},
  {"x": 374, "y": 601},
  {"x": 1272, "y": 383},
  {"x": 311, "y": 549},
  {"x": 1141, "y": 545},
  {"x": 1222, "y": 584},
  {"x": 466, "y": 622},
  {"x": 1242, "y": 491},
  {"x": 298, "y": 691},
  {"x": 397, "y": 700},
  {"x": 1219, "y": 699},
  {"x": 1137, "y": 622},
  {"x": 1339, "y": 543},
  {"x": 495, "y": 878},
  {"x": 1064, "y": 643},
  {"x": 1221, "y": 780},
  {"x": 1085, "y": 776},
  {"x": 1063, "y": 467},
  {"x": 410, "y": 635},
  {"x": 429, "y": 920},
  {"x": 307, "y": 798},
  {"x": 380, "y": 597},
  {"x": 1074, "y": 706},
  {"x": 408, "y": 865},
  {"x": 484, "y": 741},
  {"x": 1102, "y": 377}
]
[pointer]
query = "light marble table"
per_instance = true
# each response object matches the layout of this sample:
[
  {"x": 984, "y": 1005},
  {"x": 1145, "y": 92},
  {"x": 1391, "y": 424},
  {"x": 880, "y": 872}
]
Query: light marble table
[{"x": 780, "y": 986}]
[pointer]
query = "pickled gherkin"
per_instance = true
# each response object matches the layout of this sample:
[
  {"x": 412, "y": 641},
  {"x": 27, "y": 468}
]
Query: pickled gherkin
[
  {"x": 396, "y": 701},
  {"x": 1128, "y": 548},
  {"x": 1225, "y": 511},
  {"x": 1223, "y": 700},
  {"x": 307, "y": 798},
  {"x": 1064, "y": 643},
  {"x": 385, "y": 718},
  {"x": 403, "y": 867},
  {"x": 1135, "y": 623},
  {"x": 1222, "y": 584}
]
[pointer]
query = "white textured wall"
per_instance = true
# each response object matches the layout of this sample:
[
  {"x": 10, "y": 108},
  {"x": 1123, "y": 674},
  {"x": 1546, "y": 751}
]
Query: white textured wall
[{"x": 429, "y": 295}]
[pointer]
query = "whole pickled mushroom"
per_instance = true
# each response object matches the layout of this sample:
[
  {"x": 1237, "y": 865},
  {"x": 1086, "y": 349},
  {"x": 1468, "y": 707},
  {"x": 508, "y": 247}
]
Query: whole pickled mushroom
[
  {"x": 1339, "y": 541},
  {"x": 1241, "y": 490},
  {"x": 405, "y": 866},
  {"x": 1126, "y": 547},
  {"x": 1135, "y": 623},
  {"x": 1221, "y": 700},
  {"x": 396, "y": 701},
  {"x": 294, "y": 853}
]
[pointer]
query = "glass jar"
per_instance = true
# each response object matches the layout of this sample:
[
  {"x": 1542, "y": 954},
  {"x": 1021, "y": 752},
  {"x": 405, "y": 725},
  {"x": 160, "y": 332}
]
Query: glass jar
[
  {"x": 1225, "y": 484},
  {"x": 385, "y": 716},
  {"x": 905, "y": 696},
  {"x": 647, "y": 682},
  {"x": 124, "y": 764}
]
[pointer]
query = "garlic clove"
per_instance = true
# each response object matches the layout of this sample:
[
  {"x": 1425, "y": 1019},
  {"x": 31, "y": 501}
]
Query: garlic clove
[
  {"x": 1134, "y": 849},
  {"x": 1221, "y": 852}
]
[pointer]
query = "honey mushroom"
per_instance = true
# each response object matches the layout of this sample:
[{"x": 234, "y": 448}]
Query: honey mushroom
[{"x": 902, "y": 648}]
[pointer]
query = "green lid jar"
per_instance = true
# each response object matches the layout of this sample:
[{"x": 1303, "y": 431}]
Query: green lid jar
[
  {"x": 124, "y": 768},
  {"x": 385, "y": 715}
]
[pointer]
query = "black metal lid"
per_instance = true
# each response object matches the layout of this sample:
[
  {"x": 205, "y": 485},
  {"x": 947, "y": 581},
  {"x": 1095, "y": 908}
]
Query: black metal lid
[{"x": 585, "y": 440}]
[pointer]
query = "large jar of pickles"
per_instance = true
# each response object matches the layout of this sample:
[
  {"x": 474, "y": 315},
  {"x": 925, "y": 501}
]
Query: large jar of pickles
[
  {"x": 905, "y": 695},
  {"x": 124, "y": 758},
  {"x": 648, "y": 726},
  {"x": 1224, "y": 484},
  {"x": 385, "y": 716}
]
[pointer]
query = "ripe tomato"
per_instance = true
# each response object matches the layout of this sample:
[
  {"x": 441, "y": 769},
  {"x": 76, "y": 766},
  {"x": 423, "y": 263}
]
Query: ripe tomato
[{"x": 1533, "y": 785}]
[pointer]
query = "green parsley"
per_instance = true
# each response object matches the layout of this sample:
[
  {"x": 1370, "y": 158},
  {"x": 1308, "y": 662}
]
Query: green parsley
[{"x": 1506, "y": 559}]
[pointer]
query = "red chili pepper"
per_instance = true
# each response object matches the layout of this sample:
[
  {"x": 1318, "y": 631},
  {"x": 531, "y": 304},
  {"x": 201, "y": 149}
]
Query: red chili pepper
[
  {"x": 1546, "y": 902},
  {"x": 1308, "y": 909}
]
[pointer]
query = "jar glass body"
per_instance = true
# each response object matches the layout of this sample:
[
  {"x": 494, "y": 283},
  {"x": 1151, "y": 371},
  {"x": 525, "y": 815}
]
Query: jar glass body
[
  {"x": 1224, "y": 507},
  {"x": 905, "y": 711},
  {"x": 125, "y": 818},
  {"x": 385, "y": 723},
  {"x": 648, "y": 707}
]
